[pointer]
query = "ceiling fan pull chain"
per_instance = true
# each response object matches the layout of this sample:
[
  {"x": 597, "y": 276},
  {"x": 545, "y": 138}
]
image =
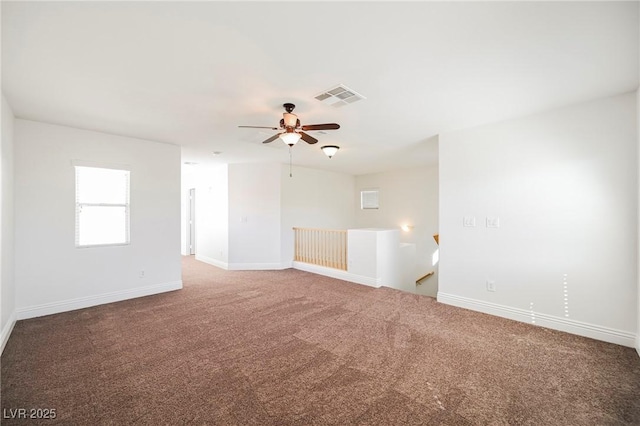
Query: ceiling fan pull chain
[{"x": 290, "y": 155}]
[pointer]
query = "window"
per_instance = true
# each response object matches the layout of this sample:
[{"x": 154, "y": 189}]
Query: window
[
  {"x": 102, "y": 206},
  {"x": 369, "y": 199}
]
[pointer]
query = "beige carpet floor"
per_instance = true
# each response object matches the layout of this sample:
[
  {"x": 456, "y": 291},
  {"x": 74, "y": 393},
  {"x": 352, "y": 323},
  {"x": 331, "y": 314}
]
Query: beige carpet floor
[{"x": 293, "y": 348}]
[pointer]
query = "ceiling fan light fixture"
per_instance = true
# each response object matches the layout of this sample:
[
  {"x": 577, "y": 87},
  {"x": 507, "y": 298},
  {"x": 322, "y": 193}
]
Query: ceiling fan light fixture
[
  {"x": 330, "y": 150},
  {"x": 290, "y": 138}
]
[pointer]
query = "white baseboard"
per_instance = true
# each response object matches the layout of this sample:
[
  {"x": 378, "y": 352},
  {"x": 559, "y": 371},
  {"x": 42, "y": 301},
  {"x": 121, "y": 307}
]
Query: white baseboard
[
  {"x": 243, "y": 266},
  {"x": 211, "y": 261},
  {"x": 287, "y": 265},
  {"x": 638, "y": 343},
  {"x": 338, "y": 273},
  {"x": 99, "y": 299},
  {"x": 6, "y": 330},
  {"x": 256, "y": 266},
  {"x": 550, "y": 321}
]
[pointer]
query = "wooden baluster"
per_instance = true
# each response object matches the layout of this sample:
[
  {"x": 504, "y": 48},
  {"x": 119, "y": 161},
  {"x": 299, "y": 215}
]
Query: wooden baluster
[
  {"x": 338, "y": 253},
  {"x": 306, "y": 245},
  {"x": 315, "y": 247},
  {"x": 318, "y": 247},
  {"x": 344, "y": 250},
  {"x": 310, "y": 246},
  {"x": 335, "y": 250},
  {"x": 324, "y": 248},
  {"x": 340, "y": 250},
  {"x": 332, "y": 249},
  {"x": 327, "y": 246}
]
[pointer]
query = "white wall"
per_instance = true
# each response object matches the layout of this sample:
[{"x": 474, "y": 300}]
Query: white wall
[
  {"x": 212, "y": 215},
  {"x": 638, "y": 183},
  {"x": 374, "y": 257},
  {"x": 7, "y": 287},
  {"x": 406, "y": 197},
  {"x": 254, "y": 216},
  {"x": 52, "y": 275},
  {"x": 564, "y": 186},
  {"x": 245, "y": 212},
  {"x": 314, "y": 199}
]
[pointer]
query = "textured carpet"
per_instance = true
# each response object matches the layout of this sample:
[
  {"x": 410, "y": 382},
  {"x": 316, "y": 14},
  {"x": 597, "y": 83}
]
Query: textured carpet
[{"x": 293, "y": 348}]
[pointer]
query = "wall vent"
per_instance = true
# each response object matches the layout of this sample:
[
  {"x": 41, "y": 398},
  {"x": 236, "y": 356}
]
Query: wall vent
[
  {"x": 369, "y": 199},
  {"x": 339, "y": 96}
]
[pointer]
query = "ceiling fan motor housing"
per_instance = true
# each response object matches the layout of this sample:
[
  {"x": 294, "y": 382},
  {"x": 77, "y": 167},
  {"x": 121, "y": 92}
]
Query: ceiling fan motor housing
[{"x": 290, "y": 120}]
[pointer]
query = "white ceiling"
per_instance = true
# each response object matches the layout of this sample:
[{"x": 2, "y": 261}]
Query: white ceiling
[{"x": 190, "y": 73}]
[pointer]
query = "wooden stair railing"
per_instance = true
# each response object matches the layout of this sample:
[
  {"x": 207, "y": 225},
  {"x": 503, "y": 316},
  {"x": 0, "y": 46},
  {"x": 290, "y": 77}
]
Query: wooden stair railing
[
  {"x": 323, "y": 247},
  {"x": 428, "y": 274}
]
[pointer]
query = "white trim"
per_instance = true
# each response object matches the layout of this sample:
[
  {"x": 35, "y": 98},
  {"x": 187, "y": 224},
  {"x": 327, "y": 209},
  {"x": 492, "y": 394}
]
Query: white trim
[
  {"x": 339, "y": 274},
  {"x": 100, "y": 299},
  {"x": 211, "y": 261},
  {"x": 100, "y": 165},
  {"x": 545, "y": 320},
  {"x": 102, "y": 245},
  {"x": 256, "y": 266},
  {"x": 242, "y": 266},
  {"x": 638, "y": 343},
  {"x": 6, "y": 331}
]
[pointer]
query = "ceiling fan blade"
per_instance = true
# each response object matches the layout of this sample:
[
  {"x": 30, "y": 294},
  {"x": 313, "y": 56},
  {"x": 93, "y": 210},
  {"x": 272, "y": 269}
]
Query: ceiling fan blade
[
  {"x": 327, "y": 126},
  {"x": 272, "y": 138},
  {"x": 308, "y": 139},
  {"x": 259, "y": 127}
]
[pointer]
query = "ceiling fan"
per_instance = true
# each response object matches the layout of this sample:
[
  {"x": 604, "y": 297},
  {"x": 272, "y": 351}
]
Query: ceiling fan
[{"x": 290, "y": 129}]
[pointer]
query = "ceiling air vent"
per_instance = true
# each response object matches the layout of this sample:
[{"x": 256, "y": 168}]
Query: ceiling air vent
[{"x": 339, "y": 96}]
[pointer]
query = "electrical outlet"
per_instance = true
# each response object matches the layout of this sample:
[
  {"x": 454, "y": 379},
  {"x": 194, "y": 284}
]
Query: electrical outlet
[
  {"x": 491, "y": 285},
  {"x": 141, "y": 273}
]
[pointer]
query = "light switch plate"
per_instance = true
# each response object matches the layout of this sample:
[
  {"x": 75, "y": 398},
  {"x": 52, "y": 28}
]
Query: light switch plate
[
  {"x": 493, "y": 222},
  {"x": 469, "y": 221}
]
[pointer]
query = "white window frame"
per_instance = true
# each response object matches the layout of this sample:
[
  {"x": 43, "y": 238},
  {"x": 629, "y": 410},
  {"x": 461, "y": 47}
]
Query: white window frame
[{"x": 79, "y": 205}]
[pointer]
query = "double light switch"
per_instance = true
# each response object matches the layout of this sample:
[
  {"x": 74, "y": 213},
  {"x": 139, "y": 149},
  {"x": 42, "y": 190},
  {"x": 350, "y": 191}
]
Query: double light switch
[{"x": 491, "y": 222}]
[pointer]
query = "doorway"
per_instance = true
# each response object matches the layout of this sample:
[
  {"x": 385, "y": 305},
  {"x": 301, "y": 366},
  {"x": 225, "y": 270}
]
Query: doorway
[{"x": 191, "y": 224}]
